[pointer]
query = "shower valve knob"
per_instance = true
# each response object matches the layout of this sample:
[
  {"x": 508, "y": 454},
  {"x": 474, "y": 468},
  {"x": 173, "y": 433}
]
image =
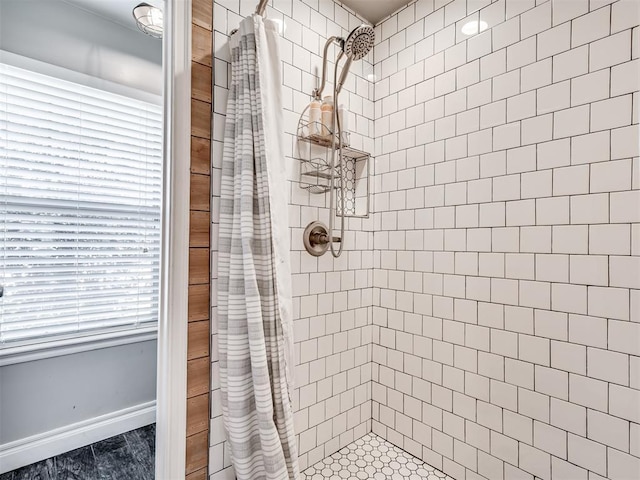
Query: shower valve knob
[
  {"x": 322, "y": 238},
  {"x": 316, "y": 238}
]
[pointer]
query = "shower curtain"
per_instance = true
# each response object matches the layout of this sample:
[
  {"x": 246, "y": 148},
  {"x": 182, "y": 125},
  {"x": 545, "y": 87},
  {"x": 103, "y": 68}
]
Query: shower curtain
[{"x": 254, "y": 281}]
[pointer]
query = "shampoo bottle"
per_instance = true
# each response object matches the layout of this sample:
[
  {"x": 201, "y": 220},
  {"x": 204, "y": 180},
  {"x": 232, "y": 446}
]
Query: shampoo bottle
[
  {"x": 315, "y": 118},
  {"x": 327, "y": 115}
]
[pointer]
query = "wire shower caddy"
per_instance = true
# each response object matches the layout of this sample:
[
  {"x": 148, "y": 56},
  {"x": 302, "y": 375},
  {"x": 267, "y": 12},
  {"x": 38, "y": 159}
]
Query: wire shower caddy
[{"x": 315, "y": 167}]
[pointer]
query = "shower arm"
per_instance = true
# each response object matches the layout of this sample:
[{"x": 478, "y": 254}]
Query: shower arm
[{"x": 317, "y": 92}]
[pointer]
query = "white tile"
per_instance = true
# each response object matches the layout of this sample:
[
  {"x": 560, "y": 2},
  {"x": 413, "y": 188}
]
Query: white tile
[
  {"x": 625, "y": 142},
  {"x": 569, "y": 417},
  {"x": 521, "y": 106},
  {"x": 589, "y": 88},
  {"x": 589, "y": 270},
  {"x": 533, "y": 404},
  {"x": 593, "y": 147},
  {"x": 622, "y": 466},
  {"x": 493, "y": 64},
  {"x": 564, "y": 10},
  {"x": 521, "y": 53},
  {"x": 624, "y": 403},
  {"x": 552, "y": 268},
  {"x": 506, "y": 33},
  {"x": 516, "y": 8},
  {"x": 554, "y": 41},
  {"x": 535, "y": 461},
  {"x": 569, "y": 298},
  {"x": 624, "y": 271},
  {"x": 609, "y": 302},
  {"x": 571, "y": 180},
  {"x": 625, "y": 78},
  {"x": 554, "y": 154},
  {"x": 587, "y": 454},
  {"x": 506, "y": 136},
  {"x": 506, "y": 85},
  {"x": 554, "y": 97},
  {"x": 611, "y": 176},
  {"x": 536, "y": 75},
  {"x": 609, "y": 366},
  {"x": 535, "y": 20},
  {"x": 610, "y": 51},
  {"x": 479, "y": 45},
  {"x": 571, "y": 64},
  {"x": 624, "y": 14},
  {"x": 590, "y": 209},
  {"x": 570, "y": 122},
  {"x": 590, "y": 27},
  {"x": 612, "y": 113}
]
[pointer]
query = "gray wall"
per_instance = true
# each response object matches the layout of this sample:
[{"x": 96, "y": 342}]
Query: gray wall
[{"x": 38, "y": 396}]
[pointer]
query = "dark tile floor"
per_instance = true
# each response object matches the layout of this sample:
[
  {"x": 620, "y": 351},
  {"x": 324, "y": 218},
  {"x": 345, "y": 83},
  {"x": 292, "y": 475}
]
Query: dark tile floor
[{"x": 130, "y": 456}]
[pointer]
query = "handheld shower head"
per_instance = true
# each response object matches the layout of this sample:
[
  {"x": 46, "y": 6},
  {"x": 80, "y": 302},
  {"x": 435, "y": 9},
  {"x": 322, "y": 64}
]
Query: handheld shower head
[
  {"x": 357, "y": 45},
  {"x": 359, "y": 42}
]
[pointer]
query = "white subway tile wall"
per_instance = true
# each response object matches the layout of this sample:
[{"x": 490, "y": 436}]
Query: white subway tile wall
[
  {"x": 332, "y": 298},
  {"x": 506, "y": 319},
  {"x": 486, "y": 318}
]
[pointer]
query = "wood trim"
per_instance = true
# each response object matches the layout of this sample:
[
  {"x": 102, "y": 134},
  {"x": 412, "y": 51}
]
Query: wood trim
[
  {"x": 198, "y": 414},
  {"x": 199, "y": 266},
  {"x": 199, "y": 328},
  {"x": 200, "y": 192},
  {"x": 197, "y": 452},
  {"x": 199, "y": 475},
  {"x": 202, "y": 13},
  {"x": 200, "y": 156},
  {"x": 201, "y": 82},
  {"x": 200, "y": 118},
  {"x": 202, "y": 44},
  {"x": 199, "y": 229},
  {"x": 198, "y": 343},
  {"x": 197, "y": 377},
  {"x": 199, "y": 302}
]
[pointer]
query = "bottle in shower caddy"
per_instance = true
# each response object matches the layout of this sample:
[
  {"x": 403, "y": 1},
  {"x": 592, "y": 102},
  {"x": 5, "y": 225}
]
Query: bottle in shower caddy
[
  {"x": 315, "y": 118},
  {"x": 327, "y": 116}
]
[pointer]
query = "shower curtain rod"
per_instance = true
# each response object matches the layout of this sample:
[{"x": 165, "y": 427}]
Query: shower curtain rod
[
  {"x": 261, "y": 7},
  {"x": 259, "y": 10}
]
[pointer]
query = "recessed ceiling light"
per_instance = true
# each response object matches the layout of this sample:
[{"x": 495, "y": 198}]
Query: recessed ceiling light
[
  {"x": 473, "y": 27},
  {"x": 149, "y": 19}
]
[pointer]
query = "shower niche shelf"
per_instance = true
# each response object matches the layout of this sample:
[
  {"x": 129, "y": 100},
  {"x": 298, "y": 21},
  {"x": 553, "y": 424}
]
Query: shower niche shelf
[{"x": 315, "y": 169}]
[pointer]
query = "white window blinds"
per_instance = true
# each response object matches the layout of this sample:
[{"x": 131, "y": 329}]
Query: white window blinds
[{"x": 80, "y": 195}]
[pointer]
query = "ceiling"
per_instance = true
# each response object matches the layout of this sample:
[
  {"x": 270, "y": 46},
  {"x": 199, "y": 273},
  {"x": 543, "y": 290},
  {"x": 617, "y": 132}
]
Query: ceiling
[
  {"x": 375, "y": 10},
  {"x": 119, "y": 11}
]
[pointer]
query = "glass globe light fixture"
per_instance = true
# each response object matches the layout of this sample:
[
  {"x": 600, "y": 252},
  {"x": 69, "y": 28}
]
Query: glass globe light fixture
[{"x": 149, "y": 19}]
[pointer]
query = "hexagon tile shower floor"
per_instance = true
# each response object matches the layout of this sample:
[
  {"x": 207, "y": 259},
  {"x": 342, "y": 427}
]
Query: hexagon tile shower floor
[{"x": 371, "y": 457}]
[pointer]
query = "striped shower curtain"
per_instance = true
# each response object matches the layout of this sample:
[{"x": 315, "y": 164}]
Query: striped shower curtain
[{"x": 254, "y": 293}]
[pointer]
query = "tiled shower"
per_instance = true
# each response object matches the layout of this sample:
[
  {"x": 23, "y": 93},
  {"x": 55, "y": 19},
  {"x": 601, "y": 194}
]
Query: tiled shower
[{"x": 485, "y": 317}]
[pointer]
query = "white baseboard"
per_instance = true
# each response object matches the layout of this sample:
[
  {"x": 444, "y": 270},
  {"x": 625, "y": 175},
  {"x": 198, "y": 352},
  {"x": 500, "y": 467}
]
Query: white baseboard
[{"x": 38, "y": 447}]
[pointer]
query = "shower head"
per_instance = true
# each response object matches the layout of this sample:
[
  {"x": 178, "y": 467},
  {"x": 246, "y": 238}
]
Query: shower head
[
  {"x": 359, "y": 42},
  {"x": 357, "y": 45}
]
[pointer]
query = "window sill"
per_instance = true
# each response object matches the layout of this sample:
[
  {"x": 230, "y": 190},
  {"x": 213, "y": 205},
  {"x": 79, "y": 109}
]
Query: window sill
[{"x": 37, "y": 351}]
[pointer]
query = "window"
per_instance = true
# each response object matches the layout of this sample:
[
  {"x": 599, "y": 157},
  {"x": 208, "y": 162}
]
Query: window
[{"x": 80, "y": 198}]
